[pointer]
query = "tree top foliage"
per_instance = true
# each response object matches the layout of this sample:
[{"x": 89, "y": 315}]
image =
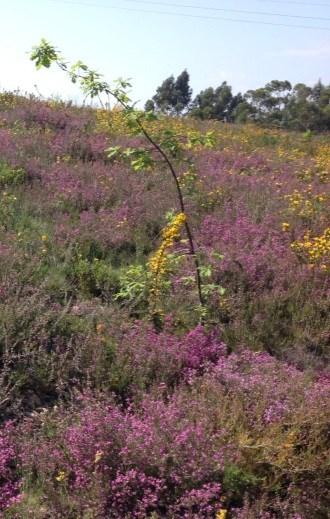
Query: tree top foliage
[{"x": 278, "y": 103}]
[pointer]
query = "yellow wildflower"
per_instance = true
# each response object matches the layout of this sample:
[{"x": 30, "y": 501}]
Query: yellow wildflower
[
  {"x": 221, "y": 514},
  {"x": 61, "y": 476},
  {"x": 315, "y": 250},
  {"x": 285, "y": 226}
]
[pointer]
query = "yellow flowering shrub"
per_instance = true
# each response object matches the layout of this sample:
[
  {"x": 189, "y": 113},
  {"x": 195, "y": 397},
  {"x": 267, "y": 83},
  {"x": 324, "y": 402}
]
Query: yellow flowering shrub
[
  {"x": 159, "y": 261},
  {"x": 322, "y": 162},
  {"x": 315, "y": 250},
  {"x": 306, "y": 204},
  {"x": 112, "y": 122},
  {"x": 8, "y": 100}
]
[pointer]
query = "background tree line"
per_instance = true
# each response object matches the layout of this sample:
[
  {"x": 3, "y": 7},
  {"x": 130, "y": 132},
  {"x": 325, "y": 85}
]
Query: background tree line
[{"x": 278, "y": 103}]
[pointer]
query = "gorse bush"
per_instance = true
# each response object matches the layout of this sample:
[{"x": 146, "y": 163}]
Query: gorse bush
[{"x": 119, "y": 395}]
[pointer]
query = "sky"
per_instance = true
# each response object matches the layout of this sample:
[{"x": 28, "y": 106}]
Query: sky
[{"x": 148, "y": 41}]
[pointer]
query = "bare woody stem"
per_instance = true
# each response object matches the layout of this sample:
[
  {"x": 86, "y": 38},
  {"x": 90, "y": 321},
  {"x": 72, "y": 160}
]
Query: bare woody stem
[{"x": 182, "y": 208}]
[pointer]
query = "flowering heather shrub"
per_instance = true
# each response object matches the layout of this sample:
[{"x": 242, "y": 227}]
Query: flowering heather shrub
[
  {"x": 136, "y": 493},
  {"x": 198, "y": 503},
  {"x": 144, "y": 357},
  {"x": 130, "y": 464},
  {"x": 246, "y": 425},
  {"x": 252, "y": 252},
  {"x": 42, "y": 347},
  {"x": 54, "y": 116},
  {"x": 281, "y": 316},
  {"x": 9, "y": 481},
  {"x": 250, "y": 425}
]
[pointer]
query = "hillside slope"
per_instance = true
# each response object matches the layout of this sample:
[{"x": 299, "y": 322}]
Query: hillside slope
[{"x": 115, "y": 400}]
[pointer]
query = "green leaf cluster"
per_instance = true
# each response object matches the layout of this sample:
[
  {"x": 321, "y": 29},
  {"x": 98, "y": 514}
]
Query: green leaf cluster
[
  {"x": 11, "y": 176},
  {"x": 138, "y": 158},
  {"x": 133, "y": 283},
  {"x": 44, "y": 54}
]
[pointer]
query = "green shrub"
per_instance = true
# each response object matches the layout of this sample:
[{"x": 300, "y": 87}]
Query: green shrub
[{"x": 11, "y": 176}]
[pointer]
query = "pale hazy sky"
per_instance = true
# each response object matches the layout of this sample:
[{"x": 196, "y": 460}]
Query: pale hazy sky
[{"x": 127, "y": 38}]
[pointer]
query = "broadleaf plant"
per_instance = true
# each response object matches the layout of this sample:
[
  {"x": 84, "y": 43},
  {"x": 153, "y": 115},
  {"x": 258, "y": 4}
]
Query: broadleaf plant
[{"x": 169, "y": 145}]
